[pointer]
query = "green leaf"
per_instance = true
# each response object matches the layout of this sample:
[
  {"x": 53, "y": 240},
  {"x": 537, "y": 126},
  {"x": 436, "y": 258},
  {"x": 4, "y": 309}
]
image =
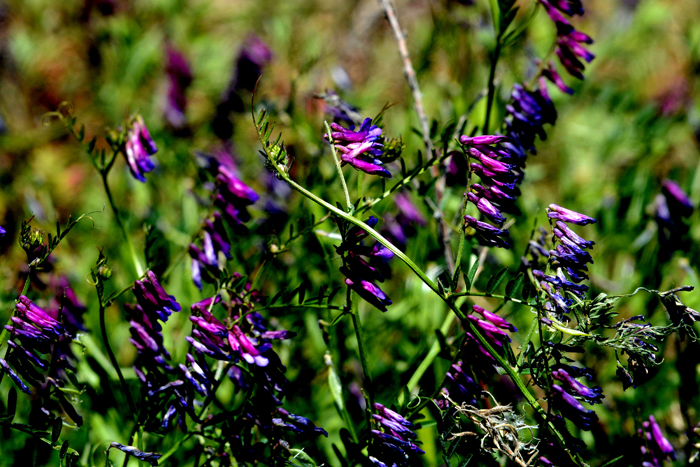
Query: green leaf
[
  {"x": 336, "y": 387},
  {"x": 157, "y": 250},
  {"x": 11, "y": 406},
  {"x": 56, "y": 429},
  {"x": 333, "y": 293},
  {"x": 469, "y": 278},
  {"x": 64, "y": 450},
  {"x": 496, "y": 280},
  {"x": 612, "y": 462},
  {"x": 513, "y": 286},
  {"x": 91, "y": 145}
]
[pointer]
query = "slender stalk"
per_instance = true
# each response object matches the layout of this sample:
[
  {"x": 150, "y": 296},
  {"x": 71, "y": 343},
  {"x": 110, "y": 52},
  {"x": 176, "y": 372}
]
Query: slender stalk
[
  {"x": 363, "y": 351},
  {"x": 115, "y": 364},
  {"x": 432, "y": 353},
  {"x": 340, "y": 169},
  {"x": 122, "y": 227},
  {"x": 492, "y": 85}
]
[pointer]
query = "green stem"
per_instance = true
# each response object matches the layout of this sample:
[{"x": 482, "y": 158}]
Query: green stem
[
  {"x": 340, "y": 169},
  {"x": 113, "y": 359},
  {"x": 432, "y": 353},
  {"x": 492, "y": 85},
  {"x": 125, "y": 233},
  {"x": 363, "y": 352}
]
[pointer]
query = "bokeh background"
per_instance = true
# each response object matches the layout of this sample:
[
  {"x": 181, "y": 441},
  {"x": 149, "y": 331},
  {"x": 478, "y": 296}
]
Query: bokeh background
[{"x": 633, "y": 122}]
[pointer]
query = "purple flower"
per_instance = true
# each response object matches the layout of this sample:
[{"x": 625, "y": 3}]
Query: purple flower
[
  {"x": 150, "y": 457},
  {"x": 488, "y": 234},
  {"x": 487, "y": 208},
  {"x": 679, "y": 203},
  {"x": 659, "y": 448},
  {"x": 360, "y": 148},
  {"x": 234, "y": 196},
  {"x": 526, "y": 116},
  {"x": 572, "y": 408},
  {"x": 465, "y": 389},
  {"x": 297, "y": 423},
  {"x": 396, "y": 446},
  {"x": 552, "y": 75},
  {"x": 567, "y": 215},
  {"x": 253, "y": 57},
  {"x": 590, "y": 395},
  {"x": 494, "y": 319},
  {"x": 139, "y": 146},
  {"x": 180, "y": 78}
]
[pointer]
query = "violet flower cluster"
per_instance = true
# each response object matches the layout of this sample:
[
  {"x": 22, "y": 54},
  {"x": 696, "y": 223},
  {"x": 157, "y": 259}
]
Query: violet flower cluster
[
  {"x": 656, "y": 448},
  {"x": 179, "y": 79},
  {"x": 138, "y": 148},
  {"x": 398, "y": 229},
  {"x": 671, "y": 207},
  {"x": 396, "y": 445},
  {"x": 569, "y": 41},
  {"x": 569, "y": 259},
  {"x": 498, "y": 191},
  {"x": 360, "y": 148},
  {"x": 464, "y": 388},
  {"x": 35, "y": 332},
  {"x": 360, "y": 275},
  {"x": 232, "y": 200},
  {"x": 493, "y": 328}
]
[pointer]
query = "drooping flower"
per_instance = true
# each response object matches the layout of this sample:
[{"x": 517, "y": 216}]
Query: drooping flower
[
  {"x": 464, "y": 388},
  {"x": 179, "y": 79},
  {"x": 396, "y": 445},
  {"x": 234, "y": 197},
  {"x": 150, "y": 457},
  {"x": 656, "y": 448},
  {"x": 214, "y": 241},
  {"x": 138, "y": 149},
  {"x": 590, "y": 395},
  {"x": 572, "y": 409},
  {"x": 569, "y": 40},
  {"x": 297, "y": 424},
  {"x": 360, "y": 148},
  {"x": 488, "y": 234}
]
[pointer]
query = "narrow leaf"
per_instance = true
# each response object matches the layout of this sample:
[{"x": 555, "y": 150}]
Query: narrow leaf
[
  {"x": 336, "y": 388},
  {"x": 496, "y": 280},
  {"x": 513, "y": 286},
  {"x": 469, "y": 278},
  {"x": 333, "y": 293},
  {"x": 56, "y": 429},
  {"x": 64, "y": 450}
]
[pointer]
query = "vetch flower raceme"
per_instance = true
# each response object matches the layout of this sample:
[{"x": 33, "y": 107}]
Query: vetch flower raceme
[
  {"x": 572, "y": 408},
  {"x": 360, "y": 148},
  {"x": 657, "y": 448},
  {"x": 360, "y": 275},
  {"x": 138, "y": 149},
  {"x": 396, "y": 446}
]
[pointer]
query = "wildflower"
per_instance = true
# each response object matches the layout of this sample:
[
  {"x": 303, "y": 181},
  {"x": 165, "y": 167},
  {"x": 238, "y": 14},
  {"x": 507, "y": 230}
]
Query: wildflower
[
  {"x": 526, "y": 116},
  {"x": 150, "y": 457},
  {"x": 678, "y": 201},
  {"x": 338, "y": 108},
  {"x": 214, "y": 241},
  {"x": 494, "y": 319},
  {"x": 234, "y": 197},
  {"x": 252, "y": 58},
  {"x": 396, "y": 445},
  {"x": 361, "y": 275},
  {"x": 657, "y": 448},
  {"x": 552, "y": 75},
  {"x": 590, "y": 395},
  {"x": 465, "y": 388},
  {"x": 572, "y": 408},
  {"x": 360, "y": 148},
  {"x": 297, "y": 423},
  {"x": 402, "y": 226},
  {"x": 180, "y": 78},
  {"x": 139, "y": 146}
]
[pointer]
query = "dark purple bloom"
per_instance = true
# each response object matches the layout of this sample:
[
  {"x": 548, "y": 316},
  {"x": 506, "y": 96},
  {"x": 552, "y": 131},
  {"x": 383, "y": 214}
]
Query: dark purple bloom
[
  {"x": 658, "y": 445},
  {"x": 573, "y": 409},
  {"x": 678, "y": 202},
  {"x": 489, "y": 234},
  {"x": 253, "y": 57},
  {"x": 567, "y": 215},
  {"x": 297, "y": 423},
  {"x": 2, "y": 232},
  {"x": 180, "y": 77},
  {"x": 590, "y": 395},
  {"x": 139, "y": 146},
  {"x": 234, "y": 196},
  {"x": 360, "y": 148},
  {"x": 526, "y": 116},
  {"x": 486, "y": 208},
  {"x": 465, "y": 389},
  {"x": 552, "y": 75},
  {"x": 360, "y": 274},
  {"x": 150, "y": 457},
  {"x": 494, "y": 319},
  {"x": 396, "y": 446}
]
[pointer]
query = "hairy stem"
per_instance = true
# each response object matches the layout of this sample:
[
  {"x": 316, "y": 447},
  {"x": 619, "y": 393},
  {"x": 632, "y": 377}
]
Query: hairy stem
[
  {"x": 122, "y": 227},
  {"x": 340, "y": 169}
]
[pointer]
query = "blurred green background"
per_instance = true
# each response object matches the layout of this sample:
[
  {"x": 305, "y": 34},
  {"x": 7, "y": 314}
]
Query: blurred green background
[{"x": 633, "y": 122}]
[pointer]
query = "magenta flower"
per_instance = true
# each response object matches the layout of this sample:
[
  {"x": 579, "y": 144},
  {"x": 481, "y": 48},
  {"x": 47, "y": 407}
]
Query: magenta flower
[
  {"x": 139, "y": 146},
  {"x": 567, "y": 215},
  {"x": 360, "y": 148}
]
